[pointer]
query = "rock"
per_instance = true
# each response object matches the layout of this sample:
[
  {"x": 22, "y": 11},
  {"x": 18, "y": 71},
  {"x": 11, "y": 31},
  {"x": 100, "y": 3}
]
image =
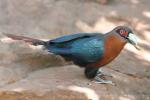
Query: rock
[
  {"x": 51, "y": 95},
  {"x": 30, "y": 73},
  {"x": 68, "y": 82}
]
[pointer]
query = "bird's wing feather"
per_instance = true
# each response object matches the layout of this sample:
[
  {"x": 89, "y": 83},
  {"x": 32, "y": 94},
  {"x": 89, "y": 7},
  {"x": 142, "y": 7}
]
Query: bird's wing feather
[
  {"x": 71, "y": 37},
  {"x": 62, "y": 44},
  {"x": 82, "y": 48}
]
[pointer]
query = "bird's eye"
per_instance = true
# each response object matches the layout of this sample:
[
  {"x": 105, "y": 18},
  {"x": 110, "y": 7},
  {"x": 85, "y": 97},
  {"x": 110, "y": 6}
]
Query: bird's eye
[{"x": 123, "y": 33}]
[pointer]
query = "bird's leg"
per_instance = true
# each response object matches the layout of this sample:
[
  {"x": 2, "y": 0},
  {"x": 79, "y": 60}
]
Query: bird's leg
[
  {"x": 99, "y": 78},
  {"x": 91, "y": 72},
  {"x": 101, "y": 73}
]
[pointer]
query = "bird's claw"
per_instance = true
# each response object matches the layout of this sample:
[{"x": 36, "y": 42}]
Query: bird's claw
[
  {"x": 99, "y": 80},
  {"x": 101, "y": 73},
  {"x": 102, "y": 81}
]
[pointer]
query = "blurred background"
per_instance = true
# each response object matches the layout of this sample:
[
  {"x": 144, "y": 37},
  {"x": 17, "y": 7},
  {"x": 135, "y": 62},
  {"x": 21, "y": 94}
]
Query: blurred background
[{"x": 31, "y": 69}]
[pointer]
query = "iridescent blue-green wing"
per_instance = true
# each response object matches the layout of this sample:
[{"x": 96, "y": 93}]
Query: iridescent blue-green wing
[
  {"x": 72, "y": 37},
  {"x": 82, "y": 48},
  {"x": 88, "y": 50},
  {"x": 63, "y": 45}
]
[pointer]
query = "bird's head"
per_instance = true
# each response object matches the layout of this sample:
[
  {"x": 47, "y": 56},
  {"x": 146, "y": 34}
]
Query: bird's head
[{"x": 127, "y": 34}]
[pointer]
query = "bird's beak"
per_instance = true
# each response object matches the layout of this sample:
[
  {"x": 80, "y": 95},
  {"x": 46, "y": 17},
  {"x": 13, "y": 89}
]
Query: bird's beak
[{"x": 133, "y": 39}]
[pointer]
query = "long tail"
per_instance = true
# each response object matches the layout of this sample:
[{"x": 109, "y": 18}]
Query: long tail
[{"x": 26, "y": 39}]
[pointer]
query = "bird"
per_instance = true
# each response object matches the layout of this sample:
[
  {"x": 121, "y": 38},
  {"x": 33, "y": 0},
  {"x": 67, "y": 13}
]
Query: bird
[{"x": 92, "y": 51}]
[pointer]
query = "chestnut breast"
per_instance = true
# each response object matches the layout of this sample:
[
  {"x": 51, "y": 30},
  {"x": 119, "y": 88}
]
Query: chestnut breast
[{"x": 112, "y": 48}]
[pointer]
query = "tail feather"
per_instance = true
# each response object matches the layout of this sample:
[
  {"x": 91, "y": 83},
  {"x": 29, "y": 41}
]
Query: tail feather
[{"x": 26, "y": 39}]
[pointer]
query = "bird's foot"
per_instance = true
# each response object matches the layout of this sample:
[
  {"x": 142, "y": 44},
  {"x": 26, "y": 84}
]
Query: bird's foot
[
  {"x": 102, "y": 81},
  {"x": 101, "y": 73}
]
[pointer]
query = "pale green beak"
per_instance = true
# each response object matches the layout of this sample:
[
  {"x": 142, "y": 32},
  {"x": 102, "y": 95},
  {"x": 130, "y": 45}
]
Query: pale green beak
[{"x": 133, "y": 39}]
